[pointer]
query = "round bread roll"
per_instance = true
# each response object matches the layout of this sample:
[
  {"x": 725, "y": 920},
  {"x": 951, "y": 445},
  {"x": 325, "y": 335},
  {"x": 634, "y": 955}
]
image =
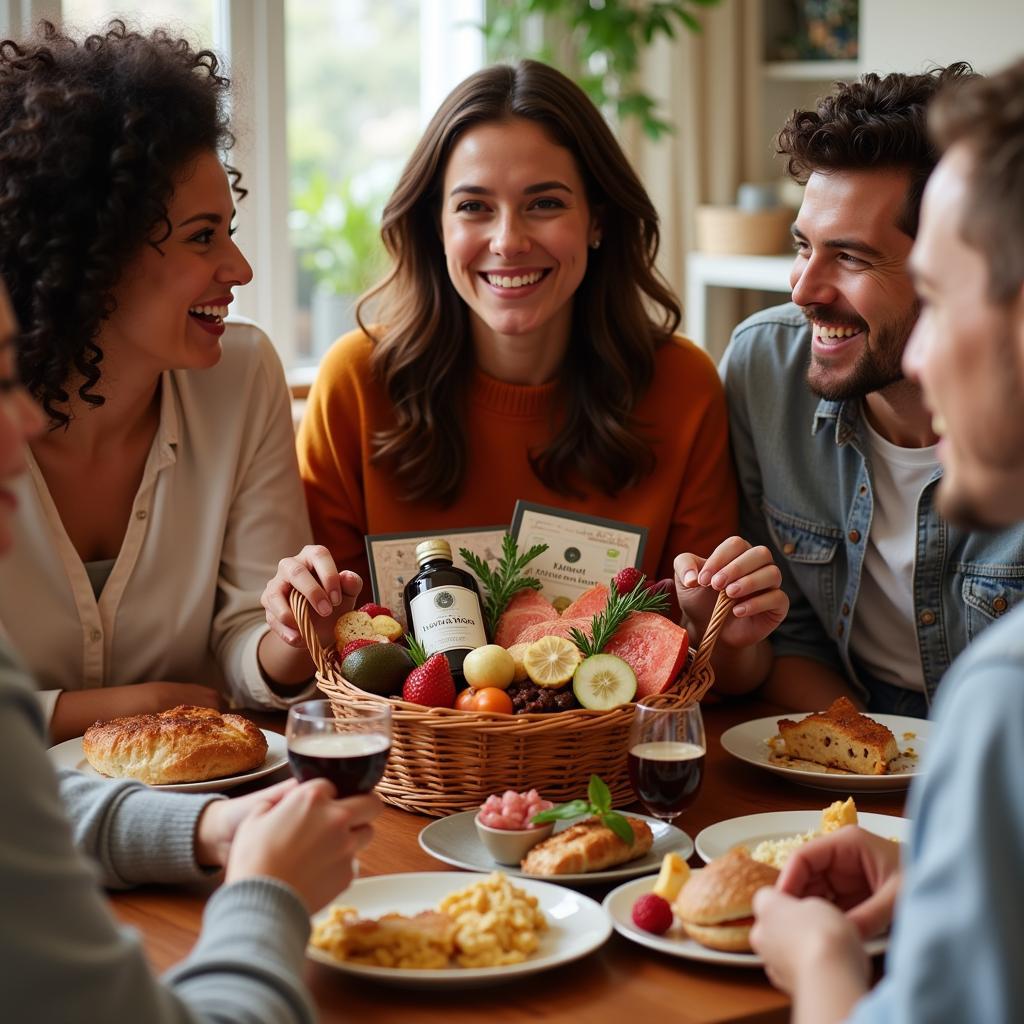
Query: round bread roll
[
  {"x": 183, "y": 744},
  {"x": 715, "y": 905}
]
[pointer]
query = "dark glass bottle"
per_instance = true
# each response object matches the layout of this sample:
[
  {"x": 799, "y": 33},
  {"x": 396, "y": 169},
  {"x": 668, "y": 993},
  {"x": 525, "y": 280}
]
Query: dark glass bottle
[{"x": 442, "y": 606}]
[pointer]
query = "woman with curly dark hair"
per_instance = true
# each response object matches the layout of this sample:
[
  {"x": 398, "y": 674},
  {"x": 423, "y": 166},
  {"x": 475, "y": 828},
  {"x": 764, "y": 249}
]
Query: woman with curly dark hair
[
  {"x": 165, "y": 489},
  {"x": 526, "y": 350}
]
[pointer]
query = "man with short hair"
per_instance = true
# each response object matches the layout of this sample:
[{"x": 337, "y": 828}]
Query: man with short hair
[
  {"x": 958, "y": 946},
  {"x": 835, "y": 450}
]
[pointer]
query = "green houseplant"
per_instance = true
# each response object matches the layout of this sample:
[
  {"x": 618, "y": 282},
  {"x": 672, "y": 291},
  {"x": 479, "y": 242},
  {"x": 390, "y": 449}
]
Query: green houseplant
[
  {"x": 336, "y": 228},
  {"x": 607, "y": 39}
]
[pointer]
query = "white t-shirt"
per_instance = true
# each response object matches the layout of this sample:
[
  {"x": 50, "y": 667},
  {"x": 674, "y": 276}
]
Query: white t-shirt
[
  {"x": 884, "y": 634},
  {"x": 220, "y": 502}
]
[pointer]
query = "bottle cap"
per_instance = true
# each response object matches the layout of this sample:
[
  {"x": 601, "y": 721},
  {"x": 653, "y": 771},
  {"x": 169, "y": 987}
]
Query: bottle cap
[{"x": 428, "y": 550}]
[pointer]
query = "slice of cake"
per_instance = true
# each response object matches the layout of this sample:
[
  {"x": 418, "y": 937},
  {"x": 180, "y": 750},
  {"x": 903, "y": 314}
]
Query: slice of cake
[{"x": 840, "y": 737}]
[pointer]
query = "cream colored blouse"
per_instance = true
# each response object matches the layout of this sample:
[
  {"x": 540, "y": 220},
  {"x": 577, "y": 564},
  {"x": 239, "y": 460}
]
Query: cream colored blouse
[{"x": 220, "y": 503}]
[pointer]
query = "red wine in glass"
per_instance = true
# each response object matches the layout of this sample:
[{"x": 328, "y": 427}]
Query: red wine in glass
[
  {"x": 354, "y": 762},
  {"x": 666, "y": 775}
]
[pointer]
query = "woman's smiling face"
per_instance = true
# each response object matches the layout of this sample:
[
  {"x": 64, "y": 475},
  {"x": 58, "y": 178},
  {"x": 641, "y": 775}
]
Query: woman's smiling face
[
  {"x": 171, "y": 302},
  {"x": 516, "y": 226}
]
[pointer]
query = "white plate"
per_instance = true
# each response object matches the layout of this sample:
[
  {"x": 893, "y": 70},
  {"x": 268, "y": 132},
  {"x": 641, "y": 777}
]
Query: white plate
[
  {"x": 752, "y": 742},
  {"x": 577, "y": 926},
  {"x": 752, "y": 829},
  {"x": 619, "y": 904},
  {"x": 69, "y": 755},
  {"x": 454, "y": 840}
]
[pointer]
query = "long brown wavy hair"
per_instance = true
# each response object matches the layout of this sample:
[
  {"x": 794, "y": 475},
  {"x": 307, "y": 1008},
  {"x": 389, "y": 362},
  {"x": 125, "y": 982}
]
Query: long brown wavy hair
[{"x": 622, "y": 311}]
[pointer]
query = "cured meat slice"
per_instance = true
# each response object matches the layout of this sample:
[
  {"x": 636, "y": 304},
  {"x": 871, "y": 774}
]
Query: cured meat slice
[
  {"x": 527, "y": 608},
  {"x": 556, "y": 627},
  {"x": 654, "y": 647},
  {"x": 588, "y": 604}
]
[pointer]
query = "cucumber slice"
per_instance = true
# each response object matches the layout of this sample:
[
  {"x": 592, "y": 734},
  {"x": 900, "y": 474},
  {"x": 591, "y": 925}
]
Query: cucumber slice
[{"x": 603, "y": 681}]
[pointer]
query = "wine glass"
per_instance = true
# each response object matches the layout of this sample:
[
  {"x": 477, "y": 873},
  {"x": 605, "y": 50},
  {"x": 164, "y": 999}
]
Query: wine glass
[
  {"x": 667, "y": 749},
  {"x": 351, "y": 752}
]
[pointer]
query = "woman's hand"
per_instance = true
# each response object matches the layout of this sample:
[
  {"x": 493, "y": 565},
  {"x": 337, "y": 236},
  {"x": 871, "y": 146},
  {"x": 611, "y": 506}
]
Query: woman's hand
[
  {"x": 746, "y": 574},
  {"x": 307, "y": 840},
  {"x": 856, "y": 870},
  {"x": 219, "y": 821},
  {"x": 330, "y": 593}
]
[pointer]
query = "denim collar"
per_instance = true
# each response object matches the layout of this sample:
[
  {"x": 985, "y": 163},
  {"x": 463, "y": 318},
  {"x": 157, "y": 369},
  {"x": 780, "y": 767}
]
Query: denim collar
[{"x": 846, "y": 416}]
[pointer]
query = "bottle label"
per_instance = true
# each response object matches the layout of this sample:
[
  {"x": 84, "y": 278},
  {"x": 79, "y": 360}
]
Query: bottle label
[{"x": 447, "y": 618}]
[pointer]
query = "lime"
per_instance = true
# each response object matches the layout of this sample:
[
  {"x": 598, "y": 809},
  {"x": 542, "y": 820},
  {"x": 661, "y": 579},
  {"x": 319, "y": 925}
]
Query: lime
[
  {"x": 551, "y": 661},
  {"x": 490, "y": 665},
  {"x": 378, "y": 668},
  {"x": 603, "y": 681}
]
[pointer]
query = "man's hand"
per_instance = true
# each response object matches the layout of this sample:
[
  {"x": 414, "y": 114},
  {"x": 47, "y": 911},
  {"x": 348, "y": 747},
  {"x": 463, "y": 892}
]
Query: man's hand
[{"x": 215, "y": 830}]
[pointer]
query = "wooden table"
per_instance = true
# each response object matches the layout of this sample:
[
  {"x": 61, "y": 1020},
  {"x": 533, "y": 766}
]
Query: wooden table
[{"x": 621, "y": 983}]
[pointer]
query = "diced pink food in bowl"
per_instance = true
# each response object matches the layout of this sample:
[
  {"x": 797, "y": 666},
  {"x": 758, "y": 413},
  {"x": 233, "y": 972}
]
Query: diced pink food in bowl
[{"x": 512, "y": 810}]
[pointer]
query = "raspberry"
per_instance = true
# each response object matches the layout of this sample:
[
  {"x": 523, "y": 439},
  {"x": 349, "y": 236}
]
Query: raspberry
[
  {"x": 354, "y": 645},
  {"x": 626, "y": 579},
  {"x": 430, "y": 684},
  {"x": 373, "y": 609},
  {"x": 652, "y": 913}
]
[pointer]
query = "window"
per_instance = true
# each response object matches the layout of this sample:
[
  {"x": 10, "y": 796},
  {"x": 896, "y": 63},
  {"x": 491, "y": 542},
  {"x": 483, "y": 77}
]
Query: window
[{"x": 328, "y": 100}]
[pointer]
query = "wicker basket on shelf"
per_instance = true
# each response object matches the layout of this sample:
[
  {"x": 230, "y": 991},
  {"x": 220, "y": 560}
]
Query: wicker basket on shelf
[{"x": 443, "y": 760}]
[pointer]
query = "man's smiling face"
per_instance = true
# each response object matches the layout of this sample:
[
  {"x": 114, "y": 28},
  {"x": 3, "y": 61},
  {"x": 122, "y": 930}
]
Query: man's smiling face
[{"x": 850, "y": 278}]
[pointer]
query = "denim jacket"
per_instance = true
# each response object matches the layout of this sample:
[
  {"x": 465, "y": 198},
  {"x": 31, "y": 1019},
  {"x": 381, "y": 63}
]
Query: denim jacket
[{"x": 806, "y": 491}]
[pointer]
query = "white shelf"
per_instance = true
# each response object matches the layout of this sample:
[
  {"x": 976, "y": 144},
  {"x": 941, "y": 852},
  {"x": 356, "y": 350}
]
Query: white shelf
[{"x": 809, "y": 70}]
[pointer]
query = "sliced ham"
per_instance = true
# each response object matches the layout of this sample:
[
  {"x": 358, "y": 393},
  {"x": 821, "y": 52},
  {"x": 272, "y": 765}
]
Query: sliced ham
[
  {"x": 527, "y": 608},
  {"x": 655, "y": 649},
  {"x": 556, "y": 627}
]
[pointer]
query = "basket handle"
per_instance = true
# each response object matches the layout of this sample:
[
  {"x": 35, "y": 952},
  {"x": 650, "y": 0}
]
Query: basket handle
[
  {"x": 304, "y": 619},
  {"x": 723, "y": 606}
]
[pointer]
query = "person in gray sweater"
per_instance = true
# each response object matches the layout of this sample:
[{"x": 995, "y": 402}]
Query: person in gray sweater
[{"x": 286, "y": 851}]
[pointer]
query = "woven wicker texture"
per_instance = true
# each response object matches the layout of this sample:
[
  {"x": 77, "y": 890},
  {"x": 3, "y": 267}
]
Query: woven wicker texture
[{"x": 443, "y": 760}]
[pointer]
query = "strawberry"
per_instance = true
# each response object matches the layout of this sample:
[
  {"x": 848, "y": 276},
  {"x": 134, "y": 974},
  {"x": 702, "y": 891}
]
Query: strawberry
[
  {"x": 430, "y": 684},
  {"x": 626, "y": 579},
  {"x": 354, "y": 645},
  {"x": 652, "y": 913},
  {"x": 372, "y": 609}
]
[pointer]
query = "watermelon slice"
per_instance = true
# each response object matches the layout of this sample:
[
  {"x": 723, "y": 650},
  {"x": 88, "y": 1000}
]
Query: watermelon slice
[
  {"x": 527, "y": 608},
  {"x": 654, "y": 647},
  {"x": 588, "y": 604},
  {"x": 556, "y": 627}
]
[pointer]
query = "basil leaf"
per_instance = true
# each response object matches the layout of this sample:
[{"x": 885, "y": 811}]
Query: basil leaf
[
  {"x": 563, "y": 812},
  {"x": 618, "y": 824},
  {"x": 600, "y": 795}
]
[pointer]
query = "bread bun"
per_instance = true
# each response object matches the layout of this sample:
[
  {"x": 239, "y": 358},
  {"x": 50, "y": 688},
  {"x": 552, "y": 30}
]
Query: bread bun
[
  {"x": 183, "y": 744},
  {"x": 715, "y": 905}
]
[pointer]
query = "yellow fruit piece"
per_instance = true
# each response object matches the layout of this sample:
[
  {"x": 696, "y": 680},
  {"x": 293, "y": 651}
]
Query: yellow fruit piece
[
  {"x": 489, "y": 666},
  {"x": 353, "y": 626},
  {"x": 387, "y": 627},
  {"x": 551, "y": 661},
  {"x": 672, "y": 877},
  {"x": 517, "y": 651}
]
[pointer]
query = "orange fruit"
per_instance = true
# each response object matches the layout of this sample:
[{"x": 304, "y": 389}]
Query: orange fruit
[
  {"x": 466, "y": 699},
  {"x": 490, "y": 698}
]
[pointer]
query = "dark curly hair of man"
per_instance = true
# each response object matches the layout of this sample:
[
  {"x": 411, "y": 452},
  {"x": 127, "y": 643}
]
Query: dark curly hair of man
[
  {"x": 92, "y": 134},
  {"x": 875, "y": 122}
]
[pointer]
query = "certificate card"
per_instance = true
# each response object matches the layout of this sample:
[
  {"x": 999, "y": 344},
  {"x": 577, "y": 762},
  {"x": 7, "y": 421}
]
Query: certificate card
[
  {"x": 393, "y": 558},
  {"x": 582, "y": 550}
]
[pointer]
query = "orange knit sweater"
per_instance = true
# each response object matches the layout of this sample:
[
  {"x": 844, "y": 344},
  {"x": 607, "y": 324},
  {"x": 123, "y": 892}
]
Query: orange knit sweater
[{"x": 688, "y": 503}]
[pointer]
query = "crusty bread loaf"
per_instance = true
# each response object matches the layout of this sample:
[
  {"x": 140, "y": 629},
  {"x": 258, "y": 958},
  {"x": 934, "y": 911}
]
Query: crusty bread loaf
[
  {"x": 587, "y": 846},
  {"x": 841, "y": 737},
  {"x": 715, "y": 904},
  {"x": 183, "y": 744}
]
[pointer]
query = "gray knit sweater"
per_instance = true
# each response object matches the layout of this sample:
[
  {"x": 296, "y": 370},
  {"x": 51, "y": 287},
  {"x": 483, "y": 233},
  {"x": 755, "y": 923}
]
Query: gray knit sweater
[{"x": 63, "y": 958}]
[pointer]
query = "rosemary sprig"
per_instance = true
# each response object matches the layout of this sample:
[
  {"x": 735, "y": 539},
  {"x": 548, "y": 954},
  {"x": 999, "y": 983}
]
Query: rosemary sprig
[
  {"x": 616, "y": 611},
  {"x": 502, "y": 584},
  {"x": 417, "y": 651}
]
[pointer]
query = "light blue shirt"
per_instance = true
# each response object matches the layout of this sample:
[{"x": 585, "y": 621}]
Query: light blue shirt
[
  {"x": 806, "y": 491},
  {"x": 957, "y": 950}
]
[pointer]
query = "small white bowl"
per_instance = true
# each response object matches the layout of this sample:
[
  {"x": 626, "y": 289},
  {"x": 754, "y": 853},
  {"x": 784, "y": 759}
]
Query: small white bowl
[{"x": 510, "y": 846}]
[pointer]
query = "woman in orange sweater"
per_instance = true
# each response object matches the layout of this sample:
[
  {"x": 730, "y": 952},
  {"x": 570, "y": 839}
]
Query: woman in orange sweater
[{"x": 527, "y": 352}]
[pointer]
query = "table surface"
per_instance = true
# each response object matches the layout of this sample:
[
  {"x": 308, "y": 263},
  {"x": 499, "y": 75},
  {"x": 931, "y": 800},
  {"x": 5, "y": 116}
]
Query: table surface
[{"x": 620, "y": 982}]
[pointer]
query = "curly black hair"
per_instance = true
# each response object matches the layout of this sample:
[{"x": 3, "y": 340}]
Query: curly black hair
[
  {"x": 92, "y": 135},
  {"x": 878, "y": 121}
]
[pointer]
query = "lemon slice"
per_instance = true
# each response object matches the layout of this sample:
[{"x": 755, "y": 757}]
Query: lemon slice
[{"x": 551, "y": 661}]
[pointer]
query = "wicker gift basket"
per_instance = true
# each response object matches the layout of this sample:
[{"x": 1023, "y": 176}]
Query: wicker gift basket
[{"x": 443, "y": 760}]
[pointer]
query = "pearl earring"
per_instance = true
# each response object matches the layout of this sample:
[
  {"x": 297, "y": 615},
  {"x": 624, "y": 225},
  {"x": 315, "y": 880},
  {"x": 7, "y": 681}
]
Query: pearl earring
[{"x": 596, "y": 243}]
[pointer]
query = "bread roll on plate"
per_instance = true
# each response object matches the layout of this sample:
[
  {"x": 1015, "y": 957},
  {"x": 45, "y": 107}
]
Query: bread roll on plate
[
  {"x": 183, "y": 744},
  {"x": 715, "y": 904}
]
